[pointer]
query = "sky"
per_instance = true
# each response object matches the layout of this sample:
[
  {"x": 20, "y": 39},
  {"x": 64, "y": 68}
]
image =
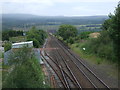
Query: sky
[{"x": 59, "y": 7}]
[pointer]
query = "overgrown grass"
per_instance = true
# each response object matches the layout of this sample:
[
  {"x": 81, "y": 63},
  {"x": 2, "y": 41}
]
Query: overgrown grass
[
  {"x": 91, "y": 57},
  {"x": 78, "y": 48},
  {"x": 18, "y": 39},
  {"x": 112, "y": 68}
]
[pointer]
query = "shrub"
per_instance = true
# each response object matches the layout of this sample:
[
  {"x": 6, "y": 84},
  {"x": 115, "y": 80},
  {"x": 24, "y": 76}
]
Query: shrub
[
  {"x": 7, "y": 46},
  {"x": 26, "y": 72},
  {"x": 101, "y": 46},
  {"x": 70, "y": 40},
  {"x": 84, "y": 35}
]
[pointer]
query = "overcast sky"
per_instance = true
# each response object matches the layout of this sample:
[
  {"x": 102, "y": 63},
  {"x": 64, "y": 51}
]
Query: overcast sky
[{"x": 59, "y": 7}]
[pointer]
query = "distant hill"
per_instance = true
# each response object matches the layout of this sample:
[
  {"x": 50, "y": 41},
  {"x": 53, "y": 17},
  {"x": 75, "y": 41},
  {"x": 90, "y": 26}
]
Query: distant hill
[
  {"x": 19, "y": 20},
  {"x": 18, "y": 16}
]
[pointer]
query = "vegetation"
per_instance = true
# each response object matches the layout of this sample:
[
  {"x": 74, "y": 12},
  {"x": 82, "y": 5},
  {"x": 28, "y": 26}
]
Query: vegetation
[
  {"x": 112, "y": 26},
  {"x": 106, "y": 45},
  {"x": 17, "y": 39},
  {"x": 84, "y": 35},
  {"x": 0, "y": 54},
  {"x": 67, "y": 32},
  {"x": 101, "y": 46},
  {"x": 22, "y": 20},
  {"x": 37, "y": 36},
  {"x": 10, "y": 33},
  {"x": 24, "y": 71},
  {"x": 7, "y": 46}
]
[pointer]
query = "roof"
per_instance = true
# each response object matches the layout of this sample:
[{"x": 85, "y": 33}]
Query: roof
[{"x": 22, "y": 43}]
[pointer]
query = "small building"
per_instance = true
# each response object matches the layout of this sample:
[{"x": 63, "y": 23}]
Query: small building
[
  {"x": 17, "y": 46},
  {"x": 22, "y": 44}
]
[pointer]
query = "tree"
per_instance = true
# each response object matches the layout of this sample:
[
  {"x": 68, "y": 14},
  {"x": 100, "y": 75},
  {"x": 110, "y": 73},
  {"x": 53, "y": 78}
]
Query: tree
[
  {"x": 67, "y": 31},
  {"x": 106, "y": 24},
  {"x": 112, "y": 25},
  {"x": 37, "y": 36},
  {"x": 11, "y": 33},
  {"x": 36, "y": 43}
]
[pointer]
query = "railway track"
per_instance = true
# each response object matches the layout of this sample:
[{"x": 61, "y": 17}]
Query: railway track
[
  {"x": 71, "y": 78},
  {"x": 98, "y": 82},
  {"x": 70, "y": 69},
  {"x": 70, "y": 82},
  {"x": 64, "y": 77}
]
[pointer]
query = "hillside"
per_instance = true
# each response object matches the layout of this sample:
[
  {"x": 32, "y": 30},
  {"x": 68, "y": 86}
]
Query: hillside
[{"x": 21, "y": 20}]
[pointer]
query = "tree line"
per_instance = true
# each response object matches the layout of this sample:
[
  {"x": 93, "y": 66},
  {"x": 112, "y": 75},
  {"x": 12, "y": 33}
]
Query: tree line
[{"x": 10, "y": 33}]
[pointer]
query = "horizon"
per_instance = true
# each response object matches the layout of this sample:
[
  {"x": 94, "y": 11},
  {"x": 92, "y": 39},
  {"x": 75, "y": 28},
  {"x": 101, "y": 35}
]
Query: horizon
[{"x": 48, "y": 15}]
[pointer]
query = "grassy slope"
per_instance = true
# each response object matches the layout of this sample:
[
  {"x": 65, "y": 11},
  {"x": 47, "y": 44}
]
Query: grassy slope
[{"x": 94, "y": 60}]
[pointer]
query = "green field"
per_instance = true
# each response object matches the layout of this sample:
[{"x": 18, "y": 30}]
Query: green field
[
  {"x": 48, "y": 27},
  {"x": 79, "y": 27}
]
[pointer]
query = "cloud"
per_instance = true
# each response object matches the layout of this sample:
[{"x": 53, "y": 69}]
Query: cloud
[
  {"x": 54, "y": 1},
  {"x": 72, "y": 1},
  {"x": 59, "y": 7},
  {"x": 44, "y": 2}
]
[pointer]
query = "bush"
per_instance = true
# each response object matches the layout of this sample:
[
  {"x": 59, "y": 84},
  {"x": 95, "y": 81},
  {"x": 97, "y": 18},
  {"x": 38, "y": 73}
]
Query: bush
[
  {"x": 104, "y": 51},
  {"x": 28, "y": 75},
  {"x": 36, "y": 43},
  {"x": 84, "y": 35},
  {"x": 101, "y": 46},
  {"x": 26, "y": 72},
  {"x": 70, "y": 40},
  {"x": 7, "y": 46}
]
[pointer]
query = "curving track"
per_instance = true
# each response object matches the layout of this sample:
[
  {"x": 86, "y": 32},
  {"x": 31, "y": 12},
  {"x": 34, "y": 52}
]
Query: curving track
[{"x": 69, "y": 68}]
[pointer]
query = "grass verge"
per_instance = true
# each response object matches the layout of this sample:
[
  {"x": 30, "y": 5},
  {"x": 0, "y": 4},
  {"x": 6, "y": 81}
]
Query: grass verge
[{"x": 111, "y": 68}]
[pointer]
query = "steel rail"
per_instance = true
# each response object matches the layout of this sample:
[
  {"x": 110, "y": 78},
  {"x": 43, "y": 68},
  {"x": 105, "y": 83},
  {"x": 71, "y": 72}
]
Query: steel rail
[
  {"x": 75, "y": 82},
  {"x": 54, "y": 71},
  {"x": 83, "y": 64},
  {"x": 61, "y": 70},
  {"x": 80, "y": 70}
]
